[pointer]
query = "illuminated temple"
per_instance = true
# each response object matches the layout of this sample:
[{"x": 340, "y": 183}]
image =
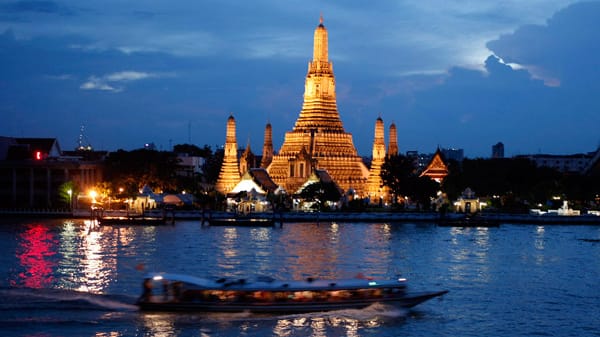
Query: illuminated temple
[
  {"x": 374, "y": 187},
  {"x": 318, "y": 139},
  {"x": 229, "y": 175}
]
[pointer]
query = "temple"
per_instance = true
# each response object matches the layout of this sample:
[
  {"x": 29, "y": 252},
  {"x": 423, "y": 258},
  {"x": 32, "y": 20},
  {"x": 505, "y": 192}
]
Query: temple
[
  {"x": 393, "y": 141},
  {"x": 437, "y": 168},
  {"x": 267, "y": 156},
  {"x": 318, "y": 139},
  {"x": 229, "y": 175},
  {"x": 374, "y": 188}
]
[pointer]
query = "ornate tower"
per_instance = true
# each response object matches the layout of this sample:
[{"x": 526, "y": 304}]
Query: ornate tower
[
  {"x": 247, "y": 160},
  {"x": 229, "y": 175},
  {"x": 318, "y": 132},
  {"x": 267, "y": 156},
  {"x": 393, "y": 142},
  {"x": 374, "y": 183}
]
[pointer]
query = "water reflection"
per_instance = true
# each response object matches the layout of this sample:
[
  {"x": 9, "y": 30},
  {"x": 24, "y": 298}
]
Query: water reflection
[
  {"x": 159, "y": 325},
  {"x": 36, "y": 249},
  {"x": 336, "y": 250},
  {"x": 469, "y": 252},
  {"x": 540, "y": 244},
  {"x": 228, "y": 260},
  {"x": 336, "y": 324},
  {"x": 540, "y": 231},
  {"x": 311, "y": 250},
  {"x": 88, "y": 257},
  {"x": 376, "y": 251}
]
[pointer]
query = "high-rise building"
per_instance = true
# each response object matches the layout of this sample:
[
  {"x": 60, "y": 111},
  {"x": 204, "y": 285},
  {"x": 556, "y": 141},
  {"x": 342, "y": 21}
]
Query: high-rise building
[
  {"x": 453, "y": 154},
  {"x": 498, "y": 150},
  {"x": 318, "y": 139}
]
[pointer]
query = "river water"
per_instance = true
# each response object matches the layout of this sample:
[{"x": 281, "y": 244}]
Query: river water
[{"x": 69, "y": 278}]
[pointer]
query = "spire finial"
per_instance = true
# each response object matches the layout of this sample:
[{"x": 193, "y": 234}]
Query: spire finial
[{"x": 321, "y": 19}]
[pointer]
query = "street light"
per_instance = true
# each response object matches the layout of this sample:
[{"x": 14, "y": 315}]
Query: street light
[{"x": 70, "y": 193}]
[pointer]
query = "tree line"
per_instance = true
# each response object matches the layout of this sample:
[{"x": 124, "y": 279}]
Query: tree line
[{"x": 513, "y": 184}]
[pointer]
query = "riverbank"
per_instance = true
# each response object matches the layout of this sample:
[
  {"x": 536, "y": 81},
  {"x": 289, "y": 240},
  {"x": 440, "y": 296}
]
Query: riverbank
[{"x": 284, "y": 217}]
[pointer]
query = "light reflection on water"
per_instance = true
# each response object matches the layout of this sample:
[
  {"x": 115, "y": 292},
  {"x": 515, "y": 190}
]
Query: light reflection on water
[
  {"x": 523, "y": 279},
  {"x": 36, "y": 249}
]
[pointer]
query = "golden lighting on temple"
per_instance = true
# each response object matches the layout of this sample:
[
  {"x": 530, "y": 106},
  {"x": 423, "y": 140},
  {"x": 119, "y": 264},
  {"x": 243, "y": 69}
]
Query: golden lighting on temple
[{"x": 317, "y": 141}]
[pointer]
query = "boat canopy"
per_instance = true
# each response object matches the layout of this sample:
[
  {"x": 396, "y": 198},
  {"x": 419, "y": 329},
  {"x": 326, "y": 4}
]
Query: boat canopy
[{"x": 263, "y": 283}]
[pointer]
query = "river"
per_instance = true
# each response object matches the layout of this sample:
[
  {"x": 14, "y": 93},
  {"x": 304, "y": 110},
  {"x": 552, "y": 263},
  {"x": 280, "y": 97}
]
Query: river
[{"x": 70, "y": 278}]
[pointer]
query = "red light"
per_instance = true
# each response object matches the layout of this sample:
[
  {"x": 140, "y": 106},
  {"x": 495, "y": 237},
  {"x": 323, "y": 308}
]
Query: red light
[{"x": 38, "y": 155}]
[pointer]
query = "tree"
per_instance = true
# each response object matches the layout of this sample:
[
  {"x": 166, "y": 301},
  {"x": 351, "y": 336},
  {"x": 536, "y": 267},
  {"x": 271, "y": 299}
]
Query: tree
[
  {"x": 212, "y": 166},
  {"x": 193, "y": 150},
  {"x": 132, "y": 170},
  {"x": 399, "y": 174},
  {"x": 67, "y": 191},
  {"x": 321, "y": 192}
]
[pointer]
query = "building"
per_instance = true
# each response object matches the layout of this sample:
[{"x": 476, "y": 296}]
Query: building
[
  {"x": 453, "y": 154},
  {"x": 250, "y": 193},
  {"x": 33, "y": 171},
  {"x": 573, "y": 163},
  {"x": 437, "y": 168},
  {"x": 498, "y": 150},
  {"x": 318, "y": 139},
  {"x": 420, "y": 160},
  {"x": 189, "y": 166}
]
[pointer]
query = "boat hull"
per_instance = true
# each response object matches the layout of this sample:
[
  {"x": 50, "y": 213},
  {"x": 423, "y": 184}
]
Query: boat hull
[{"x": 406, "y": 301}]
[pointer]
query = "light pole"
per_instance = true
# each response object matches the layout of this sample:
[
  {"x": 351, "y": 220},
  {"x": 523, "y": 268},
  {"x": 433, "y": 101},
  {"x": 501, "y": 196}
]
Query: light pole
[{"x": 70, "y": 193}]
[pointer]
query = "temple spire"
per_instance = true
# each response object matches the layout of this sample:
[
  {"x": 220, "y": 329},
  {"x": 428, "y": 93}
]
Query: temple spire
[
  {"x": 375, "y": 189},
  {"x": 320, "y": 52},
  {"x": 319, "y": 110},
  {"x": 267, "y": 156},
  {"x": 318, "y": 139},
  {"x": 229, "y": 175},
  {"x": 393, "y": 142}
]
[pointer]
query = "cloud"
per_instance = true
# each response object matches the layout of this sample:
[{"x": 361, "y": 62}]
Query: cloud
[
  {"x": 114, "y": 82},
  {"x": 561, "y": 52},
  {"x": 96, "y": 83},
  {"x": 403, "y": 37},
  {"x": 419, "y": 64}
]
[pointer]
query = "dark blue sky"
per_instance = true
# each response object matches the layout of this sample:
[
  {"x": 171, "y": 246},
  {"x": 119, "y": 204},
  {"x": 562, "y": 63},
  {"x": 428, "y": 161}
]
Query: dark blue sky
[{"x": 463, "y": 74}]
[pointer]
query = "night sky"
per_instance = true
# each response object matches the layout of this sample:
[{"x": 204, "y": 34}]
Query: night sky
[{"x": 455, "y": 74}]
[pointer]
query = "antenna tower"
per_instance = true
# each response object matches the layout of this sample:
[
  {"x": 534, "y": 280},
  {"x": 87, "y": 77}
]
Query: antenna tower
[{"x": 80, "y": 141}]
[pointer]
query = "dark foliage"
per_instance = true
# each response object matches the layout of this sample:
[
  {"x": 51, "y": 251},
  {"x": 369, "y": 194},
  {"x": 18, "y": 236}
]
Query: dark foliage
[
  {"x": 399, "y": 174},
  {"x": 133, "y": 169},
  {"x": 517, "y": 182},
  {"x": 321, "y": 192}
]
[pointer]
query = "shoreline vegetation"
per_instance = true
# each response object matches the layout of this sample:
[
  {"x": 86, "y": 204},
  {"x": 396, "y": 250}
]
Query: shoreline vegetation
[{"x": 337, "y": 216}]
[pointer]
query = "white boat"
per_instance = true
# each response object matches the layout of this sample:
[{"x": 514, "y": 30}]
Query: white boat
[{"x": 173, "y": 292}]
